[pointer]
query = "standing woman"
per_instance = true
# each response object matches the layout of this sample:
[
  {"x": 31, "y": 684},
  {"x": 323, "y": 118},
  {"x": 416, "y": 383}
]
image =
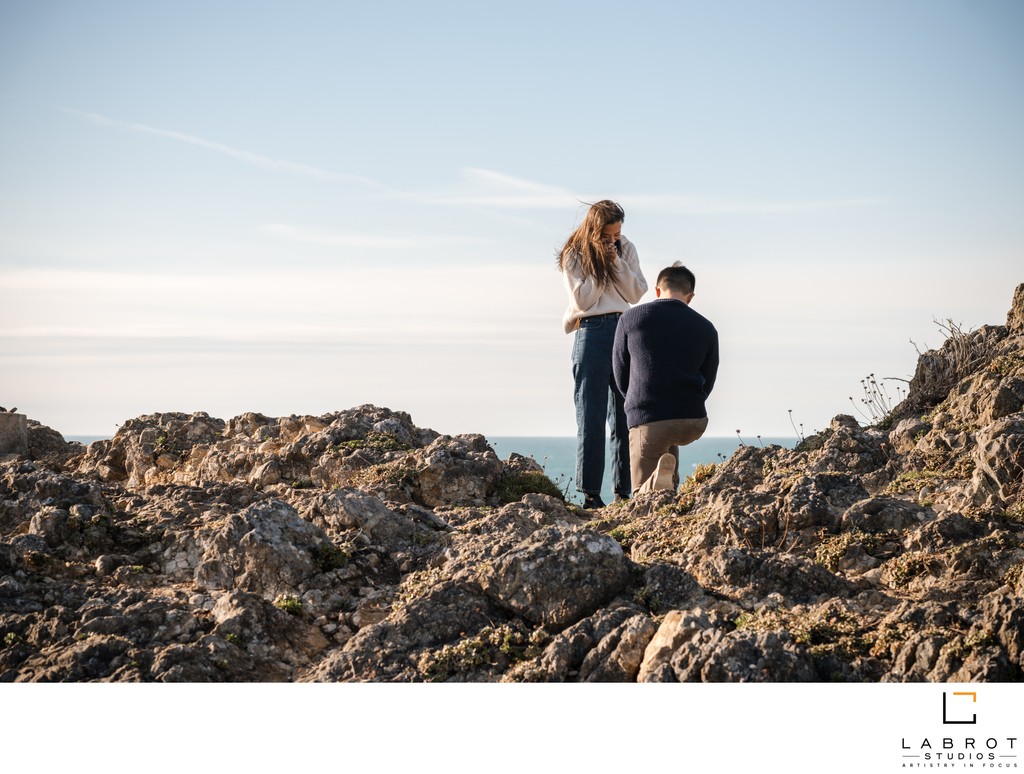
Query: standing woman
[{"x": 601, "y": 272}]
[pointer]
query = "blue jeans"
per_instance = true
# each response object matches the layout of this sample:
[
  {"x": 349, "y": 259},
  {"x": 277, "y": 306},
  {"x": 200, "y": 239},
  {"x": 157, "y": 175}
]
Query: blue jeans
[{"x": 597, "y": 402}]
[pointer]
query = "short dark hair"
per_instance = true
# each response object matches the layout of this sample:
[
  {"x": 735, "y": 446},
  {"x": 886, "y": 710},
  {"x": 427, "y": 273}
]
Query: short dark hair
[{"x": 678, "y": 279}]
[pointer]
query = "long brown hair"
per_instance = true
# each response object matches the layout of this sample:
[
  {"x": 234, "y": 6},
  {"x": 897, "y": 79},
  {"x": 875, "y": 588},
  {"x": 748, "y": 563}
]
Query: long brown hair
[{"x": 584, "y": 244}]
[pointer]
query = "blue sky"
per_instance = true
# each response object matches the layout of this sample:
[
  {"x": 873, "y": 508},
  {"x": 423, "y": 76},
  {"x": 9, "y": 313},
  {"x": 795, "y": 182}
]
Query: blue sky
[{"x": 301, "y": 207}]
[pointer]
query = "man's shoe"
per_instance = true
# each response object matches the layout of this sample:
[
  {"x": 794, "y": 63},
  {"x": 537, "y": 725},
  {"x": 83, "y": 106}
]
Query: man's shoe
[
  {"x": 592, "y": 501},
  {"x": 666, "y": 473},
  {"x": 619, "y": 498}
]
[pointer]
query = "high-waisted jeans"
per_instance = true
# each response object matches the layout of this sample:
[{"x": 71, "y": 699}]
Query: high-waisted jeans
[{"x": 597, "y": 402}]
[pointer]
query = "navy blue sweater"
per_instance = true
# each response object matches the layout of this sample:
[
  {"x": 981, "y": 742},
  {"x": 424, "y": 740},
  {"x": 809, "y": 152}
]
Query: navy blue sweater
[{"x": 665, "y": 361}]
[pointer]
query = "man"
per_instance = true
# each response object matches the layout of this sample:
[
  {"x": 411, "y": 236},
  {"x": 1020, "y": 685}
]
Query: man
[{"x": 665, "y": 361}]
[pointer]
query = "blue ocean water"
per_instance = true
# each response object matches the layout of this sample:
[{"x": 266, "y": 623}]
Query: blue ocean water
[{"x": 558, "y": 456}]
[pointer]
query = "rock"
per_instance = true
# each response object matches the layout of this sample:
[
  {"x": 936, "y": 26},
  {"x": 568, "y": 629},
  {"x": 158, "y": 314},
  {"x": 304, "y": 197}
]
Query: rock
[
  {"x": 391, "y": 649},
  {"x": 457, "y": 471},
  {"x": 556, "y": 576},
  {"x": 563, "y": 658},
  {"x": 667, "y": 587},
  {"x": 883, "y": 514},
  {"x": 266, "y": 549},
  {"x": 1015, "y": 317},
  {"x": 51, "y": 524},
  {"x": 618, "y": 656},
  {"x": 947, "y": 530},
  {"x": 10, "y": 559},
  {"x": 999, "y": 457},
  {"x": 745, "y": 657},
  {"x": 678, "y": 634},
  {"x": 348, "y": 508},
  {"x": 13, "y": 434},
  {"x": 1002, "y": 618},
  {"x": 907, "y": 433},
  {"x": 266, "y": 632},
  {"x": 517, "y": 463},
  {"x": 738, "y": 573}
]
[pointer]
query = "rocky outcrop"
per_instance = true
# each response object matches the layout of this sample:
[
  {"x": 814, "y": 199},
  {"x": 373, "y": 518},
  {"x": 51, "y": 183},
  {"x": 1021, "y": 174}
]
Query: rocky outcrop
[{"x": 355, "y": 546}]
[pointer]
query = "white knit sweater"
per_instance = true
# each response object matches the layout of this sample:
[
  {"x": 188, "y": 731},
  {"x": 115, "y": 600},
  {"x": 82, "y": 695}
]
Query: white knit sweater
[{"x": 587, "y": 298}]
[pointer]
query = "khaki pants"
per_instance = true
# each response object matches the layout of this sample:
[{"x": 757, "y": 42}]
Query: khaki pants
[{"x": 648, "y": 442}]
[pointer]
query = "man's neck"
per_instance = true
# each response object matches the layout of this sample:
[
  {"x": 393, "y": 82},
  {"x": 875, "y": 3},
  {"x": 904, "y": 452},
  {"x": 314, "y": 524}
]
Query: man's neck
[{"x": 684, "y": 298}]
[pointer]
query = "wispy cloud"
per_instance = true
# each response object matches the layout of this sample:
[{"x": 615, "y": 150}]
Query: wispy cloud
[
  {"x": 488, "y": 188},
  {"x": 254, "y": 159},
  {"x": 350, "y": 239},
  {"x": 709, "y": 205}
]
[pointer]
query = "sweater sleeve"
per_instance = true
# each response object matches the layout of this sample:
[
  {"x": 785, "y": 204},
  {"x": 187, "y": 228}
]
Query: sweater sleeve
[
  {"x": 583, "y": 291},
  {"x": 629, "y": 279},
  {"x": 620, "y": 360},
  {"x": 709, "y": 370}
]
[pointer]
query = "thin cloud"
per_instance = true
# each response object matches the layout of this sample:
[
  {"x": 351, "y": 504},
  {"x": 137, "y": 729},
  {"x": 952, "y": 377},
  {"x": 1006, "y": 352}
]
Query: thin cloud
[
  {"x": 349, "y": 239},
  {"x": 696, "y": 205},
  {"x": 488, "y": 188},
  {"x": 254, "y": 159}
]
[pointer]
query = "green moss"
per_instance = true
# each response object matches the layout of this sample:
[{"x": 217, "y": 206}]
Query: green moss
[
  {"x": 494, "y": 648},
  {"x": 687, "y": 497},
  {"x": 1012, "y": 576},
  {"x": 377, "y": 441},
  {"x": 832, "y": 549},
  {"x": 512, "y": 485},
  {"x": 289, "y": 604},
  {"x": 907, "y": 566},
  {"x": 1007, "y": 365},
  {"x": 417, "y": 583},
  {"x": 913, "y": 480},
  {"x": 887, "y": 640},
  {"x": 962, "y": 646},
  {"x": 624, "y": 535},
  {"x": 832, "y": 630}
]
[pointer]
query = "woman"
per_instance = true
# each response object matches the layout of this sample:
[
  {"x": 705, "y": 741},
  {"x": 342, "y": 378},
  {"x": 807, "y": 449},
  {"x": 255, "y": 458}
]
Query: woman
[{"x": 601, "y": 272}]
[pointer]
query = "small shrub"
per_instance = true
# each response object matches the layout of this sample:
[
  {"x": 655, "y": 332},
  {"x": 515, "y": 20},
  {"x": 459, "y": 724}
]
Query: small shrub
[
  {"x": 376, "y": 441},
  {"x": 1007, "y": 365},
  {"x": 1012, "y": 576},
  {"x": 330, "y": 557},
  {"x": 688, "y": 491},
  {"x": 289, "y": 604},
  {"x": 512, "y": 485},
  {"x": 385, "y": 476},
  {"x": 907, "y": 566},
  {"x": 912, "y": 481},
  {"x": 961, "y": 647},
  {"x": 493, "y": 648}
]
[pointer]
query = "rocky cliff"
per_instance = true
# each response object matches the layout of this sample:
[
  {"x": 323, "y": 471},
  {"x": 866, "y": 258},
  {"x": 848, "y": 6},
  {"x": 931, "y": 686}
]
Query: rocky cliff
[{"x": 357, "y": 546}]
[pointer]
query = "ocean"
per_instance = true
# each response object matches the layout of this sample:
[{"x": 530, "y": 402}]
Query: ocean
[{"x": 558, "y": 456}]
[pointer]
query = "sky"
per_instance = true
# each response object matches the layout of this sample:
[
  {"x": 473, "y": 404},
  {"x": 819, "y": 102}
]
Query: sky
[{"x": 296, "y": 208}]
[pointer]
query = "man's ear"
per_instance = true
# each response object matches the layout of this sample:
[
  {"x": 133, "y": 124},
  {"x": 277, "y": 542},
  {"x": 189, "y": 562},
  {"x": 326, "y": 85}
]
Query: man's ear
[{"x": 657, "y": 292}]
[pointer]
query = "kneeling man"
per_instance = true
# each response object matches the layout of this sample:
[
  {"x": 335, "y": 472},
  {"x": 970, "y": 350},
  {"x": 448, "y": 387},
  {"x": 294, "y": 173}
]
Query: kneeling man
[{"x": 665, "y": 363}]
